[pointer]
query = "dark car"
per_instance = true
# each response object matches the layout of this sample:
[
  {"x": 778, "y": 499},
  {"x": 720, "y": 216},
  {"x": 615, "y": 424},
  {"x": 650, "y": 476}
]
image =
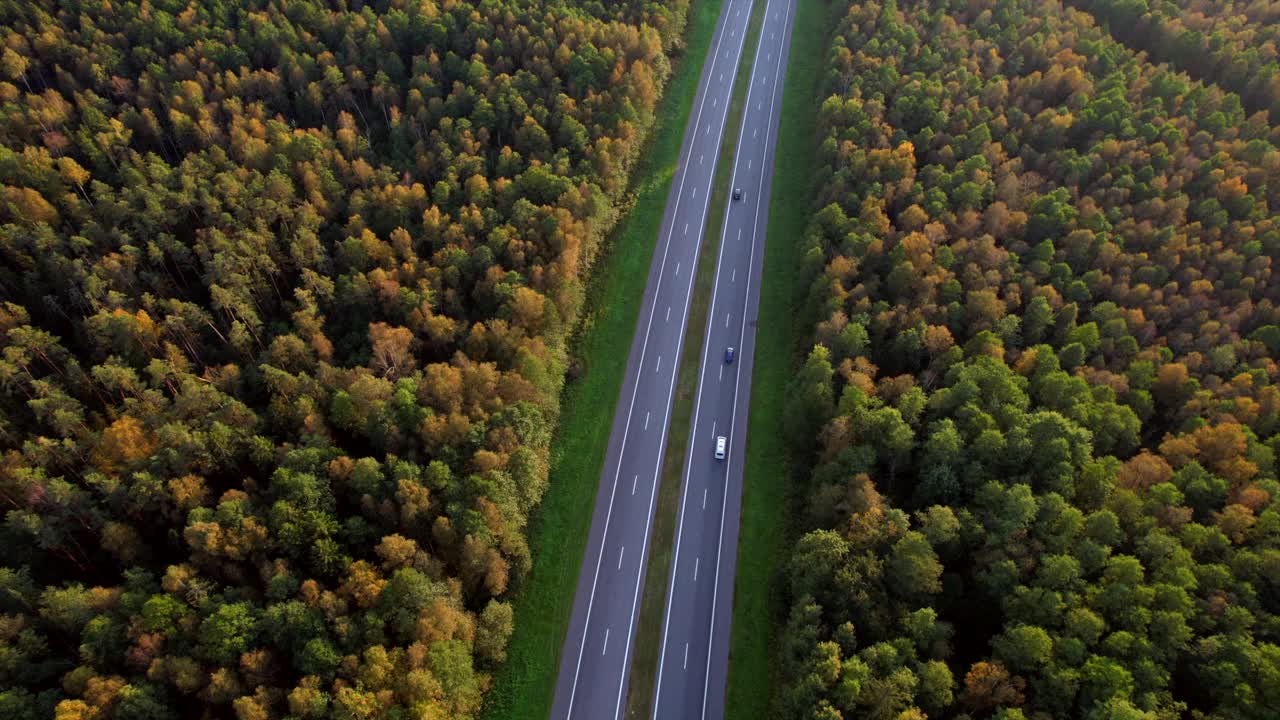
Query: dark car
[
  {"x": 728, "y": 355},
  {"x": 737, "y": 193}
]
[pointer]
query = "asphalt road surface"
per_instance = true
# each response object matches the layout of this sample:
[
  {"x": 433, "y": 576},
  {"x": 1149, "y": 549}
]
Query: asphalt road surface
[
  {"x": 694, "y": 659},
  {"x": 595, "y": 662}
]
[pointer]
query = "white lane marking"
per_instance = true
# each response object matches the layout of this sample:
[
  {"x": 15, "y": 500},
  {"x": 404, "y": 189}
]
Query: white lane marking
[
  {"x": 686, "y": 232},
  {"x": 749, "y": 162},
  {"x": 646, "y": 420},
  {"x": 668, "y": 314},
  {"x": 704, "y": 498},
  {"x": 742, "y": 331},
  {"x": 754, "y": 133},
  {"x": 721, "y": 374},
  {"x": 734, "y": 279},
  {"x": 708, "y": 130},
  {"x": 605, "y": 649},
  {"x": 621, "y": 552},
  {"x": 666, "y": 625},
  {"x": 677, "y": 269},
  {"x": 769, "y": 56},
  {"x": 658, "y": 368},
  {"x": 582, "y": 646},
  {"x": 726, "y": 319},
  {"x": 714, "y": 101},
  {"x": 695, "y": 569},
  {"x": 721, "y": 78},
  {"x": 695, "y": 191},
  {"x": 770, "y": 36},
  {"x": 699, "y": 159},
  {"x": 686, "y": 656},
  {"x": 635, "y": 481},
  {"x": 759, "y": 106}
]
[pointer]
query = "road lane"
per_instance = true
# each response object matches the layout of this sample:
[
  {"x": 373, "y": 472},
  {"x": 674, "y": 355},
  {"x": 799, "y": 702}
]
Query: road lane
[
  {"x": 699, "y": 607},
  {"x": 595, "y": 661}
]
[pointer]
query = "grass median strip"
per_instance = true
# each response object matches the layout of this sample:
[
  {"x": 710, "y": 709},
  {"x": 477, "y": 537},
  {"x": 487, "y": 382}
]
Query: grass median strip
[
  {"x": 524, "y": 686},
  {"x": 764, "y": 534},
  {"x": 653, "y": 600}
]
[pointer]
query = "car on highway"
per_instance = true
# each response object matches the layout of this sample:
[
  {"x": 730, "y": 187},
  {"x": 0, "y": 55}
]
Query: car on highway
[
  {"x": 728, "y": 355},
  {"x": 737, "y": 193},
  {"x": 720, "y": 447}
]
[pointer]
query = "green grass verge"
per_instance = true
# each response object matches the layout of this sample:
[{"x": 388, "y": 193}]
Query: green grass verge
[
  {"x": 524, "y": 686},
  {"x": 648, "y": 645},
  {"x": 765, "y": 536}
]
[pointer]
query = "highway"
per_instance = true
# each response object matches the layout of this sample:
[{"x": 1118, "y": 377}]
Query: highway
[
  {"x": 595, "y": 661},
  {"x": 694, "y": 657}
]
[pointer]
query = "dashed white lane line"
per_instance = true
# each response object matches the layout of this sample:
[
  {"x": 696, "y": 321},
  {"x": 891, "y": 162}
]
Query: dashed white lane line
[
  {"x": 677, "y": 269},
  {"x": 635, "y": 481},
  {"x": 658, "y": 367},
  {"x": 721, "y": 378},
  {"x": 760, "y": 106},
  {"x": 708, "y": 130},
  {"x": 668, "y": 314},
  {"x": 704, "y": 498},
  {"x": 621, "y": 552},
  {"x": 686, "y": 228},
  {"x": 734, "y": 279},
  {"x": 686, "y": 656},
  {"x": 755, "y": 132},
  {"x": 695, "y": 192},
  {"x": 700, "y": 159},
  {"x": 726, "y": 319},
  {"x": 749, "y": 164},
  {"x": 592, "y": 596},
  {"x": 695, "y": 569},
  {"x": 605, "y": 649},
  {"x": 646, "y": 421},
  {"x": 714, "y": 101}
]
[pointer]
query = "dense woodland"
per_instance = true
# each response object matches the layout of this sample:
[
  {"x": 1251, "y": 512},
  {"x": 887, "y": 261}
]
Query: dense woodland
[
  {"x": 1038, "y": 396},
  {"x": 285, "y": 292},
  {"x": 1235, "y": 43}
]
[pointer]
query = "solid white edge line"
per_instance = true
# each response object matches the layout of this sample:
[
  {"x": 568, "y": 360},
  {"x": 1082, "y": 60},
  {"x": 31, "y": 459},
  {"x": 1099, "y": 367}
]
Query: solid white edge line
[
  {"x": 742, "y": 333},
  {"x": 666, "y": 248},
  {"x": 653, "y": 492},
  {"x": 684, "y": 492}
]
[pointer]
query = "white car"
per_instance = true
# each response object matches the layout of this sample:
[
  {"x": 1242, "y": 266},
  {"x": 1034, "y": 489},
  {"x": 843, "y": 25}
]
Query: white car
[{"x": 721, "y": 442}]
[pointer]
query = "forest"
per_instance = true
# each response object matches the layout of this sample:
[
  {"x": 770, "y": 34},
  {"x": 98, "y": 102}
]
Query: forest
[
  {"x": 1036, "y": 402},
  {"x": 286, "y": 288},
  {"x": 1229, "y": 42}
]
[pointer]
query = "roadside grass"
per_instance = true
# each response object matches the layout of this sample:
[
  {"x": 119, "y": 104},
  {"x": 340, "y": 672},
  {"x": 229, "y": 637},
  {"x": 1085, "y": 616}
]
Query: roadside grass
[
  {"x": 765, "y": 535},
  {"x": 648, "y": 643},
  {"x": 524, "y": 686}
]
